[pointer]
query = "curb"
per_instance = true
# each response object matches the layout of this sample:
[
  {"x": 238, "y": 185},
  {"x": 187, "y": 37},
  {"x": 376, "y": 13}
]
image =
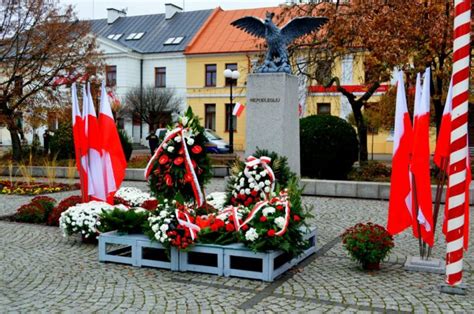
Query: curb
[{"x": 312, "y": 187}]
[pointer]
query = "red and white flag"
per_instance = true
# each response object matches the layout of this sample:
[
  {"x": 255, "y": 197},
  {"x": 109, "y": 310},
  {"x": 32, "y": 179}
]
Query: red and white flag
[
  {"x": 113, "y": 158},
  {"x": 441, "y": 155},
  {"x": 80, "y": 145},
  {"x": 238, "y": 109},
  {"x": 400, "y": 203},
  {"x": 420, "y": 163},
  {"x": 94, "y": 144}
]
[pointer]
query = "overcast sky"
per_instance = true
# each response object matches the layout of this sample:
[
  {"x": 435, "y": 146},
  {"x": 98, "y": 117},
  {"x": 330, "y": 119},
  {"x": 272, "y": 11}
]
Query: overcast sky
[{"x": 96, "y": 9}]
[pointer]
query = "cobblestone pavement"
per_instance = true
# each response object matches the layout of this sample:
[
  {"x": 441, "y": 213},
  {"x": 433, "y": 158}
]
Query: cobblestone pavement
[{"x": 42, "y": 271}]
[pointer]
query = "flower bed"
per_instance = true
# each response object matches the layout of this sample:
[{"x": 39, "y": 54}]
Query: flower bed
[{"x": 35, "y": 188}]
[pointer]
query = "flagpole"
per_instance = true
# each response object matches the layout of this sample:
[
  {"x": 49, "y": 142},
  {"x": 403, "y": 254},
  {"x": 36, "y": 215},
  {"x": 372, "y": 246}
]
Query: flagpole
[
  {"x": 415, "y": 204},
  {"x": 439, "y": 193}
]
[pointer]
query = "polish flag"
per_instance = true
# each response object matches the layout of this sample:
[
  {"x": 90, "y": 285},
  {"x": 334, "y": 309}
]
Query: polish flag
[
  {"x": 80, "y": 146},
  {"x": 113, "y": 158},
  {"x": 420, "y": 164},
  {"x": 442, "y": 145},
  {"x": 400, "y": 203},
  {"x": 238, "y": 109},
  {"x": 96, "y": 173}
]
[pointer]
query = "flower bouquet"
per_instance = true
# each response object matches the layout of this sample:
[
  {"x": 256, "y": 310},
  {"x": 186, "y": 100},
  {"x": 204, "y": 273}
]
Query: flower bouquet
[
  {"x": 254, "y": 180},
  {"x": 368, "y": 244},
  {"x": 180, "y": 167},
  {"x": 172, "y": 224},
  {"x": 132, "y": 197}
]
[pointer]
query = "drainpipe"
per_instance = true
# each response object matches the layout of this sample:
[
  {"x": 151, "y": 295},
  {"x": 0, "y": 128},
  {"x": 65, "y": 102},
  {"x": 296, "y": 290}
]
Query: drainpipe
[{"x": 141, "y": 97}]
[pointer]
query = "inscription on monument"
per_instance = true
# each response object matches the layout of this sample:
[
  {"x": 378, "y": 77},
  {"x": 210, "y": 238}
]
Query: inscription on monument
[{"x": 255, "y": 100}]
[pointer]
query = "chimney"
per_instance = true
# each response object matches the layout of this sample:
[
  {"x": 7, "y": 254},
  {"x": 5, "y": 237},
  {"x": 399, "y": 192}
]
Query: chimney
[
  {"x": 114, "y": 14},
  {"x": 171, "y": 10}
]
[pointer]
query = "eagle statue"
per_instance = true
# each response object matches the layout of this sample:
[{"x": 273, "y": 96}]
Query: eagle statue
[{"x": 276, "y": 59}]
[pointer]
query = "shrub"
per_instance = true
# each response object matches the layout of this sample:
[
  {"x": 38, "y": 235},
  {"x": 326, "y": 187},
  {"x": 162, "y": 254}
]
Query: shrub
[
  {"x": 329, "y": 147},
  {"x": 62, "y": 142},
  {"x": 53, "y": 219},
  {"x": 123, "y": 221},
  {"x": 371, "y": 171},
  {"x": 126, "y": 144}
]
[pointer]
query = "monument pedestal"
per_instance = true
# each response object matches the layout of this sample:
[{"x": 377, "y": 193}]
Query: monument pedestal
[
  {"x": 431, "y": 265},
  {"x": 272, "y": 116}
]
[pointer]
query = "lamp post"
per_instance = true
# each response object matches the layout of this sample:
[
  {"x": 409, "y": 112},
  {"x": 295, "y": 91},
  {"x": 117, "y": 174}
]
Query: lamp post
[{"x": 232, "y": 76}]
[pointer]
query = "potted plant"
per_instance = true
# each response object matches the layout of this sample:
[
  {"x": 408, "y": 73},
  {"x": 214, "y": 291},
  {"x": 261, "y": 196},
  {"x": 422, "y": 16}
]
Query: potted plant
[{"x": 368, "y": 244}]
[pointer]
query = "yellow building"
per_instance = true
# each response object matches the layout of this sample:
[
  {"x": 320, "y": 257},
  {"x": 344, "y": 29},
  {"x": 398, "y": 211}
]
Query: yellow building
[{"x": 218, "y": 46}]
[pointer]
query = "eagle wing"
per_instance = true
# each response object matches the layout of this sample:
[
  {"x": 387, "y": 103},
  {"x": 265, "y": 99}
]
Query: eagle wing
[
  {"x": 301, "y": 26},
  {"x": 251, "y": 25}
]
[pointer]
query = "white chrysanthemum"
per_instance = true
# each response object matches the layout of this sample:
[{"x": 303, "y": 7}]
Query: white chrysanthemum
[
  {"x": 170, "y": 149},
  {"x": 257, "y": 177},
  {"x": 190, "y": 141},
  {"x": 267, "y": 189},
  {"x": 251, "y": 235},
  {"x": 280, "y": 222},
  {"x": 268, "y": 211},
  {"x": 247, "y": 191},
  {"x": 218, "y": 199},
  {"x": 263, "y": 173},
  {"x": 267, "y": 182}
]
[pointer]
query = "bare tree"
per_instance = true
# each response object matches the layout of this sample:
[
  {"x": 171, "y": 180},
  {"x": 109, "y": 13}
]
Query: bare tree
[
  {"x": 153, "y": 105},
  {"x": 38, "y": 42}
]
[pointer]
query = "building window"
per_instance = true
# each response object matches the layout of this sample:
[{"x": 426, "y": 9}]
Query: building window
[
  {"x": 160, "y": 77},
  {"x": 228, "y": 113},
  {"x": 210, "y": 117},
  {"x": 111, "y": 75},
  {"x": 211, "y": 74},
  {"x": 324, "y": 108},
  {"x": 232, "y": 67}
]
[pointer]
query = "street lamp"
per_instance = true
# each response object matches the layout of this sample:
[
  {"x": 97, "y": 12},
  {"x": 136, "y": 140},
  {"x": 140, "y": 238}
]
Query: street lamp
[{"x": 232, "y": 76}]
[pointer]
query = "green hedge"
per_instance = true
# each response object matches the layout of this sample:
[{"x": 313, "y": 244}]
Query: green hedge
[{"x": 329, "y": 147}]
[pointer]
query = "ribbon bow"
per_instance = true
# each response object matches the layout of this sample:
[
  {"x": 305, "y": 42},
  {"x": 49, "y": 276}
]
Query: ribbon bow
[
  {"x": 264, "y": 161},
  {"x": 193, "y": 228},
  {"x": 198, "y": 195}
]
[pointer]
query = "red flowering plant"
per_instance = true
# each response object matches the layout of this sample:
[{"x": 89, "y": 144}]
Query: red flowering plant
[
  {"x": 53, "y": 219},
  {"x": 222, "y": 227},
  {"x": 37, "y": 211},
  {"x": 180, "y": 165},
  {"x": 277, "y": 224},
  {"x": 367, "y": 243},
  {"x": 256, "y": 178}
]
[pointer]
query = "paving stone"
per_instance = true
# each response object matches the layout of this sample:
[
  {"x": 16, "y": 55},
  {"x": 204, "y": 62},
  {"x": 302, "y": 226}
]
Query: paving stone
[{"x": 40, "y": 271}]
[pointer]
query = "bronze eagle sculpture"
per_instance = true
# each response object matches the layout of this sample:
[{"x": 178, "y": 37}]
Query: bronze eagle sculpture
[{"x": 276, "y": 59}]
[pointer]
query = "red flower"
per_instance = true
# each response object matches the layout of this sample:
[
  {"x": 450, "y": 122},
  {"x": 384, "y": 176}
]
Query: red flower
[
  {"x": 150, "y": 204},
  {"x": 163, "y": 159},
  {"x": 253, "y": 193},
  {"x": 279, "y": 207},
  {"x": 229, "y": 227},
  {"x": 271, "y": 233},
  {"x": 181, "y": 151},
  {"x": 244, "y": 227},
  {"x": 188, "y": 177},
  {"x": 196, "y": 149},
  {"x": 194, "y": 163},
  {"x": 263, "y": 219},
  {"x": 168, "y": 180},
  {"x": 178, "y": 161},
  {"x": 296, "y": 218}
]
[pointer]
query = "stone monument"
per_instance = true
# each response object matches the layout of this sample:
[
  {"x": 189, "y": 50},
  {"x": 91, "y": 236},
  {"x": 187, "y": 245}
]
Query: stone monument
[{"x": 272, "y": 92}]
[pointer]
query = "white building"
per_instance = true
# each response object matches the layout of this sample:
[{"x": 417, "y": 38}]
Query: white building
[
  {"x": 146, "y": 50},
  {"x": 140, "y": 51}
]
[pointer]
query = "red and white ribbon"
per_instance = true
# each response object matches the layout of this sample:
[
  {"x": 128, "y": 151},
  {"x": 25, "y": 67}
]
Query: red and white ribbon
[
  {"x": 459, "y": 155},
  {"x": 198, "y": 195},
  {"x": 193, "y": 228},
  {"x": 232, "y": 211},
  {"x": 264, "y": 161}
]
